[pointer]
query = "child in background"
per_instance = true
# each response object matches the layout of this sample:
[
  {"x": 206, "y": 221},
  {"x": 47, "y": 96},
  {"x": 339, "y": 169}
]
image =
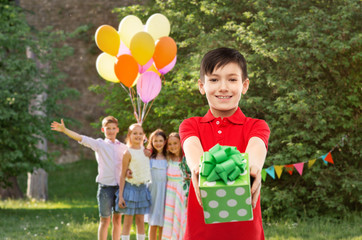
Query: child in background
[
  {"x": 177, "y": 188},
  {"x": 224, "y": 79},
  {"x": 158, "y": 162},
  {"x": 109, "y": 154},
  {"x": 134, "y": 198}
]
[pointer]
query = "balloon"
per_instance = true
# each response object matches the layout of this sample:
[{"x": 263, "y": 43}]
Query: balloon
[
  {"x": 123, "y": 50},
  {"x": 165, "y": 52},
  {"x": 126, "y": 69},
  {"x": 154, "y": 69},
  {"x": 143, "y": 68},
  {"x": 158, "y": 26},
  {"x": 128, "y": 27},
  {"x": 107, "y": 39},
  {"x": 105, "y": 67},
  {"x": 142, "y": 47},
  {"x": 168, "y": 67},
  {"x": 148, "y": 86}
]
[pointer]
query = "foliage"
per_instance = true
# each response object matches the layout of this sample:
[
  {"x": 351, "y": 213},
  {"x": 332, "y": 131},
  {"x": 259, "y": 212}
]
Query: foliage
[
  {"x": 72, "y": 213},
  {"x": 304, "y": 62},
  {"x": 29, "y": 90}
]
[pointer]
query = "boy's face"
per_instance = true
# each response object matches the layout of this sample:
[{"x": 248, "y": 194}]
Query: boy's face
[
  {"x": 223, "y": 89},
  {"x": 110, "y": 131}
]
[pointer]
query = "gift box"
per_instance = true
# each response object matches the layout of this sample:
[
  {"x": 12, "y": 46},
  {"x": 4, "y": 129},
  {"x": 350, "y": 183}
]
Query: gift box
[{"x": 224, "y": 184}]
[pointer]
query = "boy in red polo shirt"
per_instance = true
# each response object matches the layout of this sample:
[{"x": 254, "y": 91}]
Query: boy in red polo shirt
[{"x": 223, "y": 78}]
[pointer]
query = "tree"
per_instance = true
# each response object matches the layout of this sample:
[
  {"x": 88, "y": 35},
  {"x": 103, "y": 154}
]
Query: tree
[
  {"x": 21, "y": 81},
  {"x": 304, "y": 62}
]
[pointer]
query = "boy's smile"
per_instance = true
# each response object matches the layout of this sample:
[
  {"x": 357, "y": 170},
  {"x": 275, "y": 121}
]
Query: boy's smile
[
  {"x": 223, "y": 89},
  {"x": 110, "y": 131}
]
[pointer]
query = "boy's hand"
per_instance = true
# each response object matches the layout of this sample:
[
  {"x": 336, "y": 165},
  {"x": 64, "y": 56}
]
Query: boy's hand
[
  {"x": 60, "y": 127},
  {"x": 255, "y": 188},
  {"x": 121, "y": 202},
  {"x": 195, "y": 183}
]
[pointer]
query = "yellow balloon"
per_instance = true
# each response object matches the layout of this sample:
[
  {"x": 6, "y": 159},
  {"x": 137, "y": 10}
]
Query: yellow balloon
[
  {"x": 107, "y": 39},
  {"x": 154, "y": 69},
  {"x": 158, "y": 26},
  {"x": 128, "y": 27},
  {"x": 105, "y": 67},
  {"x": 142, "y": 47}
]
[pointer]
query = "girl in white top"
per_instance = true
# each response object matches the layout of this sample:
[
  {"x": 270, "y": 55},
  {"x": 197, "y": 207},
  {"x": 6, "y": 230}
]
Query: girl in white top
[{"x": 134, "y": 198}]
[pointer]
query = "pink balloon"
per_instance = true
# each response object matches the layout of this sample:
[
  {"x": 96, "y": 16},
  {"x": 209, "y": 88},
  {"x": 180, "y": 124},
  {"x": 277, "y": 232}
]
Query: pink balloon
[
  {"x": 148, "y": 86},
  {"x": 144, "y": 68},
  {"x": 123, "y": 49},
  {"x": 169, "y": 66}
]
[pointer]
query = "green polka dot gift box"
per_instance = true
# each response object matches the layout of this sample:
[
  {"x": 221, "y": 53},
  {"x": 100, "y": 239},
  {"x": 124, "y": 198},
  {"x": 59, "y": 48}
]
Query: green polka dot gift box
[{"x": 225, "y": 185}]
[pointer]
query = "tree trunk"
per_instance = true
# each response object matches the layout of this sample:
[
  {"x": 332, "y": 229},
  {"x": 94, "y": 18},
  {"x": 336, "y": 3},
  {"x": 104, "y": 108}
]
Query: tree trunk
[
  {"x": 13, "y": 191},
  {"x": 38, "y": 180},
  {"x": 38, "y": 185}
]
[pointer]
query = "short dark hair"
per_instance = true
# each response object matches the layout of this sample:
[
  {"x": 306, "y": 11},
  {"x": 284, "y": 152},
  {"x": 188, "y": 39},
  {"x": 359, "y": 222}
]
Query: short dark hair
[{"x": 220, "y": 57}]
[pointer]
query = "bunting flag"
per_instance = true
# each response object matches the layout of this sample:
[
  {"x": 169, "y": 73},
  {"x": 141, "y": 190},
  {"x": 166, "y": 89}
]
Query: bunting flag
[
  {"x": 299, "y": 167},
  {"x": 263, "y": 174},
  {"x": 270, "y": 171},
  {"x": 289, "y": 168},
  {"x": 328, "y": 157},
  {"x": 311, "y": 162},
  {"x": 278, "y": 169}
]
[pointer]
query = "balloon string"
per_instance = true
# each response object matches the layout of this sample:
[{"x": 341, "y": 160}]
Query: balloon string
[
  {"x": 133, "y": 103},
  {"x": 139, "y": 103},
  {"x": 143, "y": 111},
  {"x": 149, "y": 109}
]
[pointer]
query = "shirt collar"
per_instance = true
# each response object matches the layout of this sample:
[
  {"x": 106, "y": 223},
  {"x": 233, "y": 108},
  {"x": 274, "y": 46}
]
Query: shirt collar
[
  {"x": 109, "y": 141},
  {"x": 237, "y": 118}
]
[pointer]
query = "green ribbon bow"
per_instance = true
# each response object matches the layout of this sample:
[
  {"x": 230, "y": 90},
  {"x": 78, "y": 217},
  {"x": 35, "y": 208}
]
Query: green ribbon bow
[{"x": 222, "y": 162}]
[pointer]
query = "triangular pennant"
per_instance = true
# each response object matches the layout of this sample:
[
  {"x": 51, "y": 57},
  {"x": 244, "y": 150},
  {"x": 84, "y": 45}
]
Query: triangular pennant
[
  {"x": 299, "y": 167},
  {"x": 263, "y": 174},
  {"x": 311, "y": 162},
  {"x": 278, "y": 169},
  {"x": 289, "y": 168},
  {"x": 270, "y": 171},
  {"x": 328, "y": 158}
]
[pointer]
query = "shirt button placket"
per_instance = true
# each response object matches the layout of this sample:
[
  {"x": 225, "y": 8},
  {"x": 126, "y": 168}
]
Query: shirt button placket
[{"x": 219, "y": 131}]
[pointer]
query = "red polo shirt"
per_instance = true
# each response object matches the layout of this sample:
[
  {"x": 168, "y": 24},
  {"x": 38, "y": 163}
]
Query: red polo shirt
[{"x": 235, "y": 130}]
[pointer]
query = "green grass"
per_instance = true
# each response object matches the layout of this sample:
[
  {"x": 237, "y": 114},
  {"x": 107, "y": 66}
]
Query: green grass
[{"x": 71, "y": 213}]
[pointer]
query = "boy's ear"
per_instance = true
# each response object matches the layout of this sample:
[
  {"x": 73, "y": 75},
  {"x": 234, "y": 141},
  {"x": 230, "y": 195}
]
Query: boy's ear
[
  {"x": 201, "y": 87},
  {"x": 102, "y": 129},
  {"x": 246, "y": 85}
]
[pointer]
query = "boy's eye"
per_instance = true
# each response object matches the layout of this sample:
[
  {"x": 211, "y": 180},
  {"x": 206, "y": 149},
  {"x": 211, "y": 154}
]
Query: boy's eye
[
  {"x": 213, "y": 79},
  {"x": 233, "y": 79}
]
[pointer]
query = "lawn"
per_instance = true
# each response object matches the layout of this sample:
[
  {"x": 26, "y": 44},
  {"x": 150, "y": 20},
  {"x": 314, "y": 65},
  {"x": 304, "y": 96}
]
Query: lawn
[{"x": 71, "y": 213}]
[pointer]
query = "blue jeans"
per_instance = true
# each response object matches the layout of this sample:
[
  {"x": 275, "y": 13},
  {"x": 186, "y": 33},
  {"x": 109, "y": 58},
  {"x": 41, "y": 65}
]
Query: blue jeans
[{"x": 106, "y": 197}]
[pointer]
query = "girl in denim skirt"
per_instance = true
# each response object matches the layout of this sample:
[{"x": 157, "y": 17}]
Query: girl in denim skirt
[{"x": 134, "y": 198}]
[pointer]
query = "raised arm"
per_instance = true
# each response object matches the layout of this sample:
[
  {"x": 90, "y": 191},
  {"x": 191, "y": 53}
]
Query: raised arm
[
  {"x": 193, "y": 152},
  {"x": 256, "y": 150},
  {"x": 60, "y": 127},
  {"x": 125, "y": 164}
]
